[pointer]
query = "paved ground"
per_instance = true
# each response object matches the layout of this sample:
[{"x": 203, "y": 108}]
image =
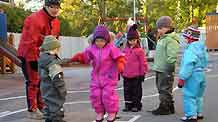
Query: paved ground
[{"x": 77, "y": 106}]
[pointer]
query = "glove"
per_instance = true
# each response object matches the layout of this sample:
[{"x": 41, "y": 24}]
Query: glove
[
  {"x": 141, "y": 78},
  {"x": 181, "y": 83},
  {"x": 120, "y": 64},
  {"x": 79, "y": 57},
  {"x": 34, "y": 65}
]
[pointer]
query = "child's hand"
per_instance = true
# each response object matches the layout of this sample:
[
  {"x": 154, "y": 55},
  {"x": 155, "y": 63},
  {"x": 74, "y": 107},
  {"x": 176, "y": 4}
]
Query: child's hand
[{"x": 181, "y": 83}]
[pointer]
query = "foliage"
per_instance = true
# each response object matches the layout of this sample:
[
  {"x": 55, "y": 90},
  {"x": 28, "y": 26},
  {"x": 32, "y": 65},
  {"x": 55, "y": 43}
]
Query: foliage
[
  {"x": 79, "y": 17},
  {"x": 15, "y": 17},
  {"x": 182, "y": 11}
]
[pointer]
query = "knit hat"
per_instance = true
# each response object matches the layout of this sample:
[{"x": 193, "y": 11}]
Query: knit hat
[
  {"x": 52, "y": 2},
  {"x": 133, "y": 33},
  {"x": 50, "y": 43},
  {"x": 191, "y": 34},
  {"x": 101, "y": 32},
  {"x": 164, "y": 21}
]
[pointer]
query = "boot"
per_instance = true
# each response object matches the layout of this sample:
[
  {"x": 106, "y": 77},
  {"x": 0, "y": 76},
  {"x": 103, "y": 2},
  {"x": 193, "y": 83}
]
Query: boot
[
  {"x": 100, "y": 120},
  {"x": 134, "y": 109},
  {"x": 191, "y": 120},
  {"x": 163, "y": 109},
  {"x": 35, "y": 115},
  {"x": 128, "y": 107}
]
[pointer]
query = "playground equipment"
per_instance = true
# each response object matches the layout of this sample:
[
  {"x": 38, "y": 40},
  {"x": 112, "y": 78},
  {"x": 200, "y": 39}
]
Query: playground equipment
[
  {"x": 212, "y": 31},
  {"x": 7, "y": 51}
]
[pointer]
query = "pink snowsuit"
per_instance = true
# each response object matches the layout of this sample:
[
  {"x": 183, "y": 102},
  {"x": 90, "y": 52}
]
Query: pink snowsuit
[{"x": 104, "y": 77}]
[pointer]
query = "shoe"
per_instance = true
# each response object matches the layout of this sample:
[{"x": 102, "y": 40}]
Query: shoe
[
  {"x": 100, "y": 120},
  {"x": 200, "y": 116},
  {"x": 185, "y": 119},
  {"x": 161, "y": 111},
  {"x": 191, "y": 120},
  {"x": 35, "y": 115},
  {"x": 113, "y": 120},
  {"x": 134, "y": 109}
]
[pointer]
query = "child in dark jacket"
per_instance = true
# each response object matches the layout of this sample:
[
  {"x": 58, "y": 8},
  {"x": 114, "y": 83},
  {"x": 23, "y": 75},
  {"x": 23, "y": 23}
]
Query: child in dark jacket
[
  {"x": 134, "y": 72},
  {"x": 52, "y": 82}
]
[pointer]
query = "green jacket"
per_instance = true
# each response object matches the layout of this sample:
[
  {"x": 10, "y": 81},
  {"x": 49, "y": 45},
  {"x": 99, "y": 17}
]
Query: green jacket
[{"x": 166, "y": 53}]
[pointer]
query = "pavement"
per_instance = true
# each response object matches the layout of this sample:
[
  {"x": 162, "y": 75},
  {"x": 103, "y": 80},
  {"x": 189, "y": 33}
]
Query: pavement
[{"x": 77, "y": 106}]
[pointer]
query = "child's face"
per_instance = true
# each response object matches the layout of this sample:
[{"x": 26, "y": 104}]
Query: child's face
[
  {"x": 133, "y": 42},
  {"x": 100, "y": 43},
  {"x": 162, "y": 30},
  {"x": 55, "y": 51}
]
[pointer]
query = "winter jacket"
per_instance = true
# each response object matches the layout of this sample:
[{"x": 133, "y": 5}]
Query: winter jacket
[
  {"x": 193, "y": 64},
  {"x": 52, "y": 83},
  {"x": 136, "y": 63},
  {"x": 103, "y": 61},
  {"x": 166, "y": 53},
  {"x": 36, "y": 26}
]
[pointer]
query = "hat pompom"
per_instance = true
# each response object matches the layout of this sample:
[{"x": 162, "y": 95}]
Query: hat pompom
[
  {"x": 134, "y": 27},
  {"x": 133, "y": 33}
]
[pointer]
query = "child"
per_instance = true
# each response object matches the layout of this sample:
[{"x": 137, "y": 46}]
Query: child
[
  {"x": 107, "y": 61},
  {"x": 164, "y": 65},
  {"x": 134, "y": 71},
  {"x": 52, "y": 82},
  {"x": 192, "y": 76}
]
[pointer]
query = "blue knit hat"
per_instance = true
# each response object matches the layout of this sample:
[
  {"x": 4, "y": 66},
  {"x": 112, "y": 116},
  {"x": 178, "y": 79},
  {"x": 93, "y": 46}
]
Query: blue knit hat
[{"x": 101, "y": 32}]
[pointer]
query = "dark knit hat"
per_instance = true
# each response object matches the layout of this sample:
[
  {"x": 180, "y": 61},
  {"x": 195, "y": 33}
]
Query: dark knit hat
[
  {"x": 133, "y": 33},
  {"x": 191, "y": 34},
  {"x": 50, "y": 43},
  {"x": 52, "y": 2},
  {"x": 164, "y": 21},
  {"x": 101, "y": 32}
]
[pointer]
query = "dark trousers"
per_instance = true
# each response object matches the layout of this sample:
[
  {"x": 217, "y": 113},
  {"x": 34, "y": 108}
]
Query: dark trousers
[
  {"x": 133, "y": 92},
  {"x": 164, "y": 84}
]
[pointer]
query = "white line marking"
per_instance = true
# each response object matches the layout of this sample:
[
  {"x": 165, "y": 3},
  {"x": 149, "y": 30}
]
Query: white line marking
[
  {"x": 69, "y": 92},
  {"x": 14, "y": 112},
  {"x": 134, "y": 118},
  {"x": 3, "y": 113},
  {"x": 68, "y": 103},
  {"x": 11, "y": 98}
]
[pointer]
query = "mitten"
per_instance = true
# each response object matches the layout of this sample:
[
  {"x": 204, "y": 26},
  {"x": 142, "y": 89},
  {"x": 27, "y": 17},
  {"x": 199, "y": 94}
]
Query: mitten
[
  {"x": 120, "y": 64},
  {"x": 181, "y": 83},
  {"x": 34, "y": 65},
  {"x": 79, "y": 57}
]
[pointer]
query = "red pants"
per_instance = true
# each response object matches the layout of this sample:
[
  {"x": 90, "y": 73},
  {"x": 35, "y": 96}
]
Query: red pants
[{"x": 34, "y": 99}]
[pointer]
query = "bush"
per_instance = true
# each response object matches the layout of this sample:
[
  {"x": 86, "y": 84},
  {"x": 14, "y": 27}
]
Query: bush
[{"x": 15, "y": 17}]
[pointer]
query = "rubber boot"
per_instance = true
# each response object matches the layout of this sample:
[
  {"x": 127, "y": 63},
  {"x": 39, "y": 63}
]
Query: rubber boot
[{"x": 163, "y": 109}]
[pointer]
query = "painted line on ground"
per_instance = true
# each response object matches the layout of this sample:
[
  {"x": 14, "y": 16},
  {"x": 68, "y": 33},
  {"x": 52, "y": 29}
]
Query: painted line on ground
[
  {"x": 67, "y": 103},
  {"x": 11, "y": 113},
  {"x": 69, "y": 92}
]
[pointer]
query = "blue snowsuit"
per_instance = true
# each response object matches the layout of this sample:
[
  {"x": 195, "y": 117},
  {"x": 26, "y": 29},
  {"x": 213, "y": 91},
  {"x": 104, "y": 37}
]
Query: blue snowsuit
[{"x": 193, "y": 64}]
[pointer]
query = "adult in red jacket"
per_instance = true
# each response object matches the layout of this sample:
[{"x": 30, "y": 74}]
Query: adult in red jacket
[{"x": 36, "y": 27}]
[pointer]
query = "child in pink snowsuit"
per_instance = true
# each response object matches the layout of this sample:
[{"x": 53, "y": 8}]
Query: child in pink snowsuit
[
  {"x": 134, "y": 71},
  {"x": 107, "y": 61}
]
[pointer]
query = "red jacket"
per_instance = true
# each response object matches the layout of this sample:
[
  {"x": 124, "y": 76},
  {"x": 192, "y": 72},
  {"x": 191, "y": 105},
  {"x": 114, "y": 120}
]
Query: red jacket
[
  {"x": 136, "y": 62},
  {"x": 36, "y": 26}
]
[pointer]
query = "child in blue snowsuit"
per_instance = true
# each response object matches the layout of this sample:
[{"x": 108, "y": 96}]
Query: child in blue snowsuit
[{"x": 192, "y": 75}]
